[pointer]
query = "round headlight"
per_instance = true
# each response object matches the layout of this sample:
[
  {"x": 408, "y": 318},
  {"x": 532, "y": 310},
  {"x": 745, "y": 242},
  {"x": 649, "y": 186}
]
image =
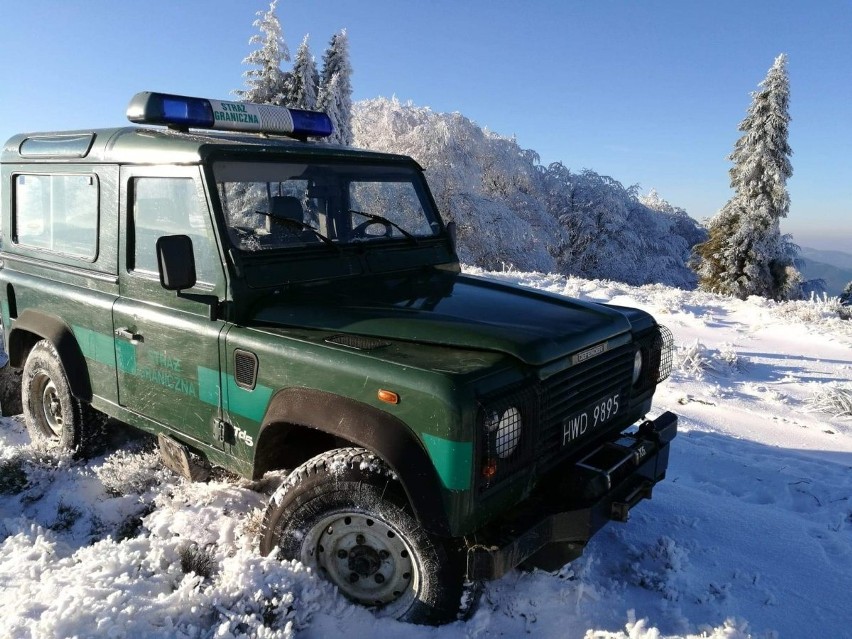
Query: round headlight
[
  {"x": 637, "y": 366},
  {"x": 508, "y": 428}
]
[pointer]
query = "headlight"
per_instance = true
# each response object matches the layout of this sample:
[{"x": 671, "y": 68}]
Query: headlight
[
  {"x": 637, "y": 366},
  {"x": 507, "y": 431}
]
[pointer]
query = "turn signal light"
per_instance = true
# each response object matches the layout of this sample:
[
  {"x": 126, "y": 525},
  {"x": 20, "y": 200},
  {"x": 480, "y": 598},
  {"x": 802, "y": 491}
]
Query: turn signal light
[
  {"x": 388, "y": 397},
  {"x": 489, "y": 469}
]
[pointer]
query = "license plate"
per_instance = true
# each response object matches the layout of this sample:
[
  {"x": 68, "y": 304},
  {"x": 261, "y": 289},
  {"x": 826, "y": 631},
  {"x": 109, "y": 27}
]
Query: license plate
[{"x": 591, "y": 417}]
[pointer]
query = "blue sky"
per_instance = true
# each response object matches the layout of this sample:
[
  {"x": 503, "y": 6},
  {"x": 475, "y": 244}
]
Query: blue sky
[{"x": 647, "y": 92}]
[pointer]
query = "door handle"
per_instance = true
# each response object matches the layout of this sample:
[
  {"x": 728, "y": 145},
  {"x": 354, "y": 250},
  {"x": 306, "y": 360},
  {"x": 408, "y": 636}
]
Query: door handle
[{"x": 130, "y": 336}]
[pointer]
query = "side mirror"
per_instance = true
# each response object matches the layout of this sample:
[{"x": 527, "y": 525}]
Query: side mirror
[{"x": 176, "y": 262}]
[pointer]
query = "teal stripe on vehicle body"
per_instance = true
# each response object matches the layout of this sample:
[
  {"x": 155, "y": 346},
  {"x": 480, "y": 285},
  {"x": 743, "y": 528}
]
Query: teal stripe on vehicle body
[
  {"x": 452, "y": 460},
  {"x": 98, "y": 347},
  {"x": 208, "y": 386},
  {"x": 248, "y": 403},
  {"x": 126, "y": 354}
]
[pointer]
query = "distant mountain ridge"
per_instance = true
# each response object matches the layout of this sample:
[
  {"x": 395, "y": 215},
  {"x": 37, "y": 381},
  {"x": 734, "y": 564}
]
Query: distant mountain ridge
[
  {"x": 833, "y": 267},
  {"x": 839, "y": 259}
]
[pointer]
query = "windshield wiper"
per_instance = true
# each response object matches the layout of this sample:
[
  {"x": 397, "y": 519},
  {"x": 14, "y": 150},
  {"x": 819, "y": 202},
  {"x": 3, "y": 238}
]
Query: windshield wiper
[
  {"x": 302, "y": 226},
  {"x": 383, "y": 220}
]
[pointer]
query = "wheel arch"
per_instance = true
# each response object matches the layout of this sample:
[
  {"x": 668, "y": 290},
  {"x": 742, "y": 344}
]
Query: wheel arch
[
  {"x": 319, "y": 414},
  {"x": 32, "y": 326}
]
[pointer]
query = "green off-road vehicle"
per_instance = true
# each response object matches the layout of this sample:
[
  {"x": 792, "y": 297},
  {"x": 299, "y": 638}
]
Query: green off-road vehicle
[{"x": 262, "y": 302}]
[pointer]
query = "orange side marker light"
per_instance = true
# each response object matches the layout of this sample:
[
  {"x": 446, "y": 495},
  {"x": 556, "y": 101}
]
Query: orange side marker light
[{"x": 388, "y": 397}]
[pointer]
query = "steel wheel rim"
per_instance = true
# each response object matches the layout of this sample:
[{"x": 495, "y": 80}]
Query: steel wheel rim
[
  {"x": 367, "y": 558},
  {"x": 50, "y": 407}
]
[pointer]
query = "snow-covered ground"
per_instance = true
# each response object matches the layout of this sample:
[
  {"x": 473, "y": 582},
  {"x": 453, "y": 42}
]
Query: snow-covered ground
[{"x": 749, "y": 536}]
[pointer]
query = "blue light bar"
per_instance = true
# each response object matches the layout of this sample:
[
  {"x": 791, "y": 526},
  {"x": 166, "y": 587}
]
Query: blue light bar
[
  {"x": 182, "y": 112},
  {"x": 313, "y": 121}
]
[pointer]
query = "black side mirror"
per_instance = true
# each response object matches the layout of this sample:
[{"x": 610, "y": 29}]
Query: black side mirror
[{"x": 176, "y": 262}]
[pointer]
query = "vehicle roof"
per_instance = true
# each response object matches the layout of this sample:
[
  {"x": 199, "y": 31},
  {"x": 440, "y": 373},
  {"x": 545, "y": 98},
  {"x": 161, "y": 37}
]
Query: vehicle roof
[{"x": 136, "y": 145}]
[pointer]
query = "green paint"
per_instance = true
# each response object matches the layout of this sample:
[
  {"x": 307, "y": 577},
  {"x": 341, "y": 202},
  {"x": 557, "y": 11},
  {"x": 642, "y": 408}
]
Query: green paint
[
  {"x": 103, "y": 348},
  {"x": 452, "y": 460},
  {"x": 168, "y": 379},
  {"x": 248, "y": 403},
  {"x": 95, "y": 346}
]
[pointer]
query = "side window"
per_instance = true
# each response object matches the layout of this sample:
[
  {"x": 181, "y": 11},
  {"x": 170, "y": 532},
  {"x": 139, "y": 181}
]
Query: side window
[
  {"x": 58, "y": 213},
  {"x": 171, "y": 206}
]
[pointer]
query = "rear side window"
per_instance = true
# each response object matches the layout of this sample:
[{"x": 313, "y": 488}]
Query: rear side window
[{"x": 57, "y": 213}]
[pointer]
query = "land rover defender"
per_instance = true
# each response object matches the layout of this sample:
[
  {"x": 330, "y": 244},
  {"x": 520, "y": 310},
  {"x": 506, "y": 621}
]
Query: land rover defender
[{"x": 261, "y": 301}]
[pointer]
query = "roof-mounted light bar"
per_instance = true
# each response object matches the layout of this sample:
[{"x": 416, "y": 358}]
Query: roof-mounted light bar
[{"x": 182, "y": 113}]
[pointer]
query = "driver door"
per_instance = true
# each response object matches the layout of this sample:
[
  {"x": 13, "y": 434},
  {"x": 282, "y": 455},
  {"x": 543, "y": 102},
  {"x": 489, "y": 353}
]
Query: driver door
[{"x": 167, "y": 348}]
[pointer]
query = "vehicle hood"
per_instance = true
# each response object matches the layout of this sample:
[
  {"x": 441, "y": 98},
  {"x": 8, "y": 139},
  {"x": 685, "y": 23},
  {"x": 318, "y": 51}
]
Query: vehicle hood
[{"x": 453, "y": 310}]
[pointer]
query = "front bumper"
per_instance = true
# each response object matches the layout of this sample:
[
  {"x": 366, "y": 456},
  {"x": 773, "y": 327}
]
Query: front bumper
[{"x": 552, "y": 528}]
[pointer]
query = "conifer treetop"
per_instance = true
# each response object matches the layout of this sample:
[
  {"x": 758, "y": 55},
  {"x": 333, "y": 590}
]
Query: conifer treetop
[
  {"x": 746, "y": 253},
  {"x": 303, "y": 87},
  {"x": 268, "y": 83},
  {"x": 335, "y": 93},
  {"x": 761, "y": 156}
]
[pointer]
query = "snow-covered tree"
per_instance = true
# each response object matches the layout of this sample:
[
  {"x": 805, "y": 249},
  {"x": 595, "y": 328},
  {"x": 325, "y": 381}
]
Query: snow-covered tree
[
  {"x": 746, "y": 253},
  {"x": 681, "y": 224},
  {"x": 655, "y": 202},
  {"x": 335, "y": 92},
  {"x": 267, "y": 84},
  {"x": 303, "y": 83},
  {"x": 846, "y": 296},
  {"x": 512, "y": 211}
]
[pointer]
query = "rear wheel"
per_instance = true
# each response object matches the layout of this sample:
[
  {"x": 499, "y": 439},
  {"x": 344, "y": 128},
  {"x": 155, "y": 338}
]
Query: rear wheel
[
  {"x": 344, "y": 514},
  {"x": 54, "y": 417}
]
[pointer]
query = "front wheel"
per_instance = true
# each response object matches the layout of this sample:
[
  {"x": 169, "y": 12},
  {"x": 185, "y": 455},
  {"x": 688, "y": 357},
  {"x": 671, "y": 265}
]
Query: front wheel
[
  {"x": 345, "y": 515},
  {"x": 54, "y": 417}
]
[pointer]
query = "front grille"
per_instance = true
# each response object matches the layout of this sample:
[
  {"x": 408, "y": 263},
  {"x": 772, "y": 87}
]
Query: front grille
[
  {"x": 547, "y": 407},
  {"x": 575, "y": 388}
]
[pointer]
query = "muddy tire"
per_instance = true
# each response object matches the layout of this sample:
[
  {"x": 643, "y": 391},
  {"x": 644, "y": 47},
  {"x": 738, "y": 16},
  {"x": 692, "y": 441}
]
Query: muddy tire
[
  {"x": 55, "y": 419},
  {"x": 10, "y": 391},
  {"x": 345, "y": 515}
]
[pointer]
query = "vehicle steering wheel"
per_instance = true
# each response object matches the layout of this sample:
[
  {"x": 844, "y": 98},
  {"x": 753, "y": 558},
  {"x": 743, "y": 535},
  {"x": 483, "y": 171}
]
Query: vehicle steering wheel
[{"x": 360, "y": 231}]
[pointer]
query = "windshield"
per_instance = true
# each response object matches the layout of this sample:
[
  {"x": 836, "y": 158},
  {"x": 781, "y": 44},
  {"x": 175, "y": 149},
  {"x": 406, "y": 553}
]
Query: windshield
[{"x": 271, "y": 206}]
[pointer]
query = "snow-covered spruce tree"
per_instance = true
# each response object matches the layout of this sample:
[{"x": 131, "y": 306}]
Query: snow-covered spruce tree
[
  {"x": 335, "y": 92},
  {"x": 746, "y": 253},
  {"x": 303, "y": 84},
  {"x": 267, "y": 84}
]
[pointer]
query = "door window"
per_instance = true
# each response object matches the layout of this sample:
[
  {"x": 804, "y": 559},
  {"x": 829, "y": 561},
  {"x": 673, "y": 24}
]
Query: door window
[{"x": 171, "y": 206}]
